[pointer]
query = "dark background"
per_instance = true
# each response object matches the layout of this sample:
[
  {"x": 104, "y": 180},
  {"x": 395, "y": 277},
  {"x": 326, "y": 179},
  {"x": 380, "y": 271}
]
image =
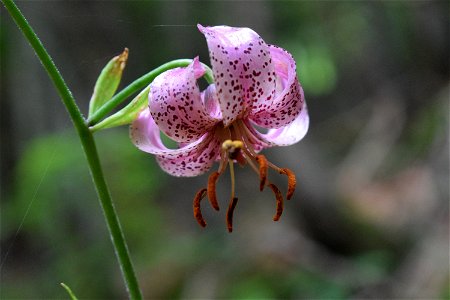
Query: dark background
[{"x": 370, "y": 217}]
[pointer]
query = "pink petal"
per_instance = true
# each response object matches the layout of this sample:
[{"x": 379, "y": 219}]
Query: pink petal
[
  {"x": 284, "y": 136},
  {"x": 243, "y": 70},
  {"x": 176, "y": 105},
  {"x": 190, "y": 160},
  {"x": 193, "y": 162},
  {"x": 211, "y": 102},
  {"x": 289, "y": 99}
]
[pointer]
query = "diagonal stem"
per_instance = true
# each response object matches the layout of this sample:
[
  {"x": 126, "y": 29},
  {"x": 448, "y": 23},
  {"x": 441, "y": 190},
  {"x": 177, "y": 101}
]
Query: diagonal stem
[
  {"x": 89, "y": 148},
  {"x": 139, "y": 84}
]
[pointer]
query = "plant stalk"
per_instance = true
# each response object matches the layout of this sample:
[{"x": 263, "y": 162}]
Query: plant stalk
[{"x": 89, "y": 147}]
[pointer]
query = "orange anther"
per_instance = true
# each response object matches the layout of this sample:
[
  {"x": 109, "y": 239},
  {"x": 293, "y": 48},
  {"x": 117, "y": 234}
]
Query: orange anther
[
  {"x": 197, "y": 211},
  {"x": 212, "y": 190},
  {"x": 291, "y": 182},
  {"x": 261, "y": 159},
  {"x": 230, "y": 211},
  {"x": 279, "y": 198}
]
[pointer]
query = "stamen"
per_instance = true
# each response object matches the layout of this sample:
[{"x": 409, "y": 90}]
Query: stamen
[
  {"x": 248, "y": 157},
  {"x": 212, "y": 180},
  {"x": 261, "y": 159},
  {"x": 292, "y": 182},
  {"x": 223, "y": 162},
  {"x": 230, "y": 211},
  {"x": 279, "y": 198},
  {"x": 240, "y": 158},
  {"x": 197, "y": 211},
  {"x": 243, "y": 131}
]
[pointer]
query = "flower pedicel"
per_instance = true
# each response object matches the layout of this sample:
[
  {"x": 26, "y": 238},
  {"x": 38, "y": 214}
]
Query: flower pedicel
[{"x": 255, "y": 84}]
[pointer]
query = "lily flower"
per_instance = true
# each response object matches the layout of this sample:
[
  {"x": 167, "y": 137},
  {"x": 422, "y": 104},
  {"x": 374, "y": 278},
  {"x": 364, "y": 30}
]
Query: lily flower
[{"x": 255, "y": 86}]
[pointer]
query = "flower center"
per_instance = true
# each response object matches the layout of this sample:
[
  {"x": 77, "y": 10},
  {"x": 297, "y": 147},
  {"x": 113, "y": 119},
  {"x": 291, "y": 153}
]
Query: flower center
[{"x": 237, "y": 147}]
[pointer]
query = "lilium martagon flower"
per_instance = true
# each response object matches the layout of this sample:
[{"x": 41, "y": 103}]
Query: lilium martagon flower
[{"x": 255, "y": 86}]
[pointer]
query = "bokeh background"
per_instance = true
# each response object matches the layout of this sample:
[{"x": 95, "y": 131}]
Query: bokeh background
[{"x": 370, "y": 217}]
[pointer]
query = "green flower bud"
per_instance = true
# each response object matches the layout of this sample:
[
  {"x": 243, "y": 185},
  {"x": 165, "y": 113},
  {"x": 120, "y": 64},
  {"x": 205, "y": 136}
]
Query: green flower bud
[{"x": 108, "y": 81}]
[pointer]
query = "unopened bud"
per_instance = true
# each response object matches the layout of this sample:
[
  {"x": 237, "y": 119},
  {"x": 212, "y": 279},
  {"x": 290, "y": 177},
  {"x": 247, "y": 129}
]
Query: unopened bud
[{"x": 108, "y": 81}]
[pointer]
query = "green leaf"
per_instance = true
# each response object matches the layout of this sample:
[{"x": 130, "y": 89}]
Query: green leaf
[
  {"x": 127, "y": 114},
  {"x": 108, "y": 81}
]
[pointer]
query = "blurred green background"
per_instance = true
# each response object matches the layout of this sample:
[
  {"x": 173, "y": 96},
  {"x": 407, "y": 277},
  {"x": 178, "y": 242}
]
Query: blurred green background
[{"x": 370, "y": 217}]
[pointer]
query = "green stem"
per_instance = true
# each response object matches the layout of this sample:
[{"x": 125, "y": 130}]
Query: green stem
[
  {"x": 69, "y": 291},
  {"x": 139, "y": 84},
  {"x": 89, "y": 147}
]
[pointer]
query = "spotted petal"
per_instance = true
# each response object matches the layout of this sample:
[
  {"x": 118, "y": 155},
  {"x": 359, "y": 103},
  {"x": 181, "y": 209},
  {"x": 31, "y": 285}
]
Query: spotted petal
[
  {"x": 289, "y": 99},
  {"x": 190, "y": 160},
  {"x": 211, "y": 102},
  {"x": 284, "y": 136},
  {"x": 243, "y": 70},
  {"x": 176, "y": 105}
]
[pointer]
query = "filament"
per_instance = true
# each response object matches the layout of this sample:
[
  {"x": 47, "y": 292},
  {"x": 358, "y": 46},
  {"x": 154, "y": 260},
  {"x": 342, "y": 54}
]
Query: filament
[
  {"x": 223, "y": 162},
  {"x": 248, "y": 157},
  {"x": 243, "y": 134}
]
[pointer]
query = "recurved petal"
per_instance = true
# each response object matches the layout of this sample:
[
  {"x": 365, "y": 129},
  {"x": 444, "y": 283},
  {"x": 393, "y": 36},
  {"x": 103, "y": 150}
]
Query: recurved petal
[
  {"x": 176, "y": 105},
  {"x": 190, "y": 160},
  {"x": 243, "y": 70},
  {"x": 284, "y": 136},
  {"x": 289, "y": 99},
  {"x": 193, "y": 162}
]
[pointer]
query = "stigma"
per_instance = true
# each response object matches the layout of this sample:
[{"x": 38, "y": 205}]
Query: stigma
[{"x": 237, "y": 148}]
